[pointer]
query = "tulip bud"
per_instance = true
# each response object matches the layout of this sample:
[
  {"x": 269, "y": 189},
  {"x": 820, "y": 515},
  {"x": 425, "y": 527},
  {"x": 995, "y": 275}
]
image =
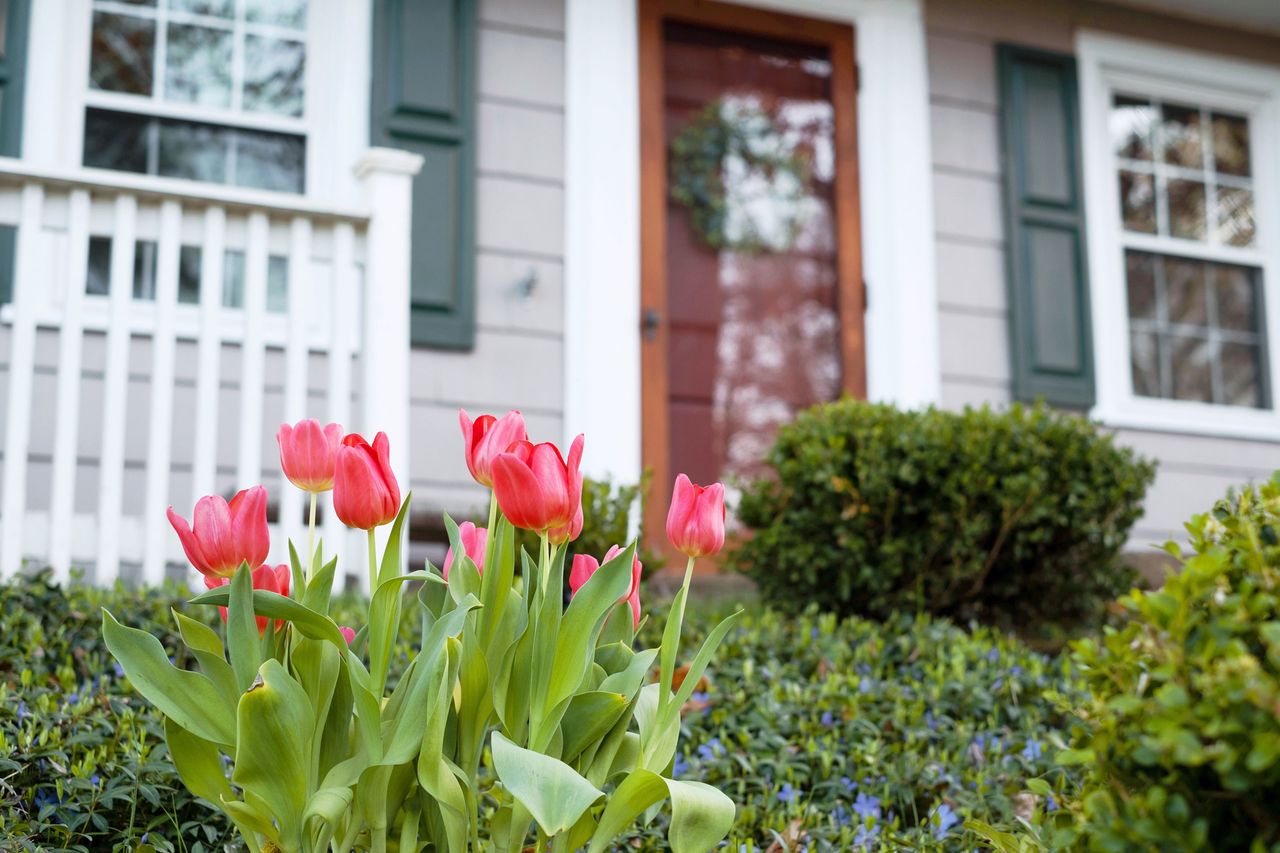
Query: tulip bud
[
  {"x": 536, "y": 488},
  {"x": 365, "y": 492},
  {"x": 695, "y": 522},
  {"x": 474, "y": 539},
  {"x": 269, "y": 578},
  {"x": 309, "y": 453},
  {"x": 222, "y": 534},
  {"x": 584, "y": 566},
  {"x": 486, "y": 438},
  {"x": 348, "y": 634}
]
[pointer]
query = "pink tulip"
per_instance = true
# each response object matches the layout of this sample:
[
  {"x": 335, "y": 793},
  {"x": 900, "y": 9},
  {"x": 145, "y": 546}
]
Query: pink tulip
[
  {"x": 584, "y": 566},
  {"x": 348, "y": 634},
  {"x": 474, "y": 539},
  {"x": 308, "y": 453},
  {"x": 486, "y": 438},
  {"x": 573, "y": 529},
  {"x": 223, "y": 535},
  {"x": 536, "y": 489},
  {"x": 695, "y": 522},
  {"x": 365, "y": 492},
  {"x": 269, "y": 578}
]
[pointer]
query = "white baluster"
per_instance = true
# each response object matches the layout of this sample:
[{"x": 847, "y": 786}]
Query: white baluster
[
  {"x": 342, "y": 318},
  {"x": 252, "y": 355},
  {"x": 209, "y": 354},
  {"x": 297, "y": 350},
  {"x": 160, "y": 433},
  {"x": 30, "y": 273},
  {"x": 70, "y": 345}
]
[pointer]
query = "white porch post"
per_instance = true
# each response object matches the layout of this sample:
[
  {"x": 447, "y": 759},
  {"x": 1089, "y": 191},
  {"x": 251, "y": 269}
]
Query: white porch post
[{"x": 386, "y": 175}]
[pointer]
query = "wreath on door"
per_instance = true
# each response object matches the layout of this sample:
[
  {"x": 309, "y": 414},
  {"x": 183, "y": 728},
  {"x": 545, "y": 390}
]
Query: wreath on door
[{"x": 742, "y": 178}]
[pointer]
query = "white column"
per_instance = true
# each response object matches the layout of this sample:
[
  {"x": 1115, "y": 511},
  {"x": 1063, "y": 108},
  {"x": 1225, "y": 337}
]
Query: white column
[
  {"x": 387, "y": 177},
  {"x": 602, "y": 235}
]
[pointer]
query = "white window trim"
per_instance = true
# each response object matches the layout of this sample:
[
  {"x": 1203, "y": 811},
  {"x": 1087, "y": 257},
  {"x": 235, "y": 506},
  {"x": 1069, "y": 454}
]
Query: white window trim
[
  {"x": 1109, "y": 63},
  {"x": 335, "y": 117},
  {"x": 602, "y": 214}
]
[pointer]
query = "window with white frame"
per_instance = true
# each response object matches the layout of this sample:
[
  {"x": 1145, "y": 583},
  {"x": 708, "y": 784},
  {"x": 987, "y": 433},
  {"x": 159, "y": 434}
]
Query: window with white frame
[
  {"x": 208, "y": 90},
  {"x": 1183, "y": 236}
]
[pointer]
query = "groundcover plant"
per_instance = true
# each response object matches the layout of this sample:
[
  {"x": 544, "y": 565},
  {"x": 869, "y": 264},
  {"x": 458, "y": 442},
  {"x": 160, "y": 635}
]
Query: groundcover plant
[{"x": 517, "y": 718}]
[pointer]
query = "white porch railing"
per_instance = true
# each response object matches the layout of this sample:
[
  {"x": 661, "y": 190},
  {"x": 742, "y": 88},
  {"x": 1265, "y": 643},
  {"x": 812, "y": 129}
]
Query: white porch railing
[{"x": 243, "y": 287}]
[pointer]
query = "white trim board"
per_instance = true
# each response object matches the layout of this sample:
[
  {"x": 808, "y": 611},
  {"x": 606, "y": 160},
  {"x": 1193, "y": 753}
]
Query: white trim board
[
  {"x": 602, "y": 216},
  {"x": 1109, "y": 63}
]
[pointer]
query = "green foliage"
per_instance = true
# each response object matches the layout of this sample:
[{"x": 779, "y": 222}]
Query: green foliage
[
  {"x": 839, "y": 734},
  {"x": 1014, "y": 517},
  {"x": 1181, "y": 735}
]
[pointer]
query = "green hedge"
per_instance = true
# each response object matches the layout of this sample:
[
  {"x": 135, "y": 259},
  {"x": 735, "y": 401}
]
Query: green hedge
[
  {"x": 834, "y": 732},
  {"x": 1014, "y": 517}
]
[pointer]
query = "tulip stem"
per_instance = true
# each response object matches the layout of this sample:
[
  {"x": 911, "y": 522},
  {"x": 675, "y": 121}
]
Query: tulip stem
[
  {"x": 309, "y": 565},
  {"x": 373, "y": 562}
]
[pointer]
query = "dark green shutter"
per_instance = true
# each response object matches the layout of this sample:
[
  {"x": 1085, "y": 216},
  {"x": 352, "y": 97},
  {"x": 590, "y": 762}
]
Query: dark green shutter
[
  {"x": 1044, "y": 226},
  {"x": 424, "y": 101},
  {"x": 13, "y": 66}
]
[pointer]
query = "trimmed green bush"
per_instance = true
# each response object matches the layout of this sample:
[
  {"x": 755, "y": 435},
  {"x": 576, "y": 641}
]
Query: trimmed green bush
[
  {"x": 1014, "y": 517},
  {"x": 1181, "y": 735}
]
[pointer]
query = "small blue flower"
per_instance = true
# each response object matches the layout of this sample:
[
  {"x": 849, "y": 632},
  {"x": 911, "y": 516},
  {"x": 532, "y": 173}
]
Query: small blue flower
[
  {"x": 827, "y": 719},
  {"x": 1015, "y": 671},
  {"x": 849, "y": 784},
  {"x": 865, "y": 836},
  {"x": 1050, "y": 804},
  {"x": 865, "y": 685},
  {"x": 813, "y": 633},
  {"x": 997, "y": 684},
  {"x": 786, "y": 793},
  {"x": 118, "y": 669},
  {"x": 993, "y": 655},
  {"x": 94, "y": 780},
  {"x": 680, "y": 767},
  {"x": 711, "y": 749},
  {"x": 930, "y": 721},
  {"x": 1032, "y": 751},
  {"x": 943, "y": 818},
  {"x": 22, "y": 710},
  {"x": 841, "y": 815},
  {"x": 699, "y": 696},
  {"x": 865, "y": 806},
  {"x": 863, "y": 669}
]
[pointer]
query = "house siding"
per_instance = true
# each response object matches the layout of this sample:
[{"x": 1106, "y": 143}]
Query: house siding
[
  {"x": 518, "y": 359},
  {"x": 970, "y": 242}
]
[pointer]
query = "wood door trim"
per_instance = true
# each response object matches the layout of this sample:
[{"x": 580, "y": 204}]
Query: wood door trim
[{"x": 838, "y": 39}]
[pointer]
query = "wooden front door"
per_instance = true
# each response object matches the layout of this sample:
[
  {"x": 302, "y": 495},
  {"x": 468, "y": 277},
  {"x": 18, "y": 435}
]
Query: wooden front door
[{"x": 752, "y": 297}]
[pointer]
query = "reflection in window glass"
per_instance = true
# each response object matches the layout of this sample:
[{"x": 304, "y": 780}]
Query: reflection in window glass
[
  {"x": 98, "y": 281},
  {"x": 1132, "y": 121},
  {"x": 233, "y": 279},
  {"x": 189, "y": 275},
  {"x": 122, "y": 54},
  {"x": 144, "y": 270},
  {"x": 198, "y": 65},
  {"x": 116, "y": 141},
  {"x": 273, "y": 75},
  {"x": 270, "y": 161},
  {"x": 198, "y": 152},
  {"x": 216, "y": 8},
  {"x": 277, "y": 284},
  {"x": 282, "y": 13}
]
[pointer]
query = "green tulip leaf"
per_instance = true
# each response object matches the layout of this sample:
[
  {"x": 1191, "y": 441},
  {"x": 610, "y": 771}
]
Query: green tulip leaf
[
  {"x": 324, "y": 810},
  {"x": 589, "y": 718},
  {"x": 205, "y": 644},
  {"x": 189, "y": 698},
  {"x": 309, "y": 623},
  {"x": 390, "y": 567},
  {"x": 553, "y": 792},
  {"x": 243, "y": 640},
  {"x": 320, "y": 589},
  {"x": 701, "y": 816},
  {"x": 198, "y": 762}
]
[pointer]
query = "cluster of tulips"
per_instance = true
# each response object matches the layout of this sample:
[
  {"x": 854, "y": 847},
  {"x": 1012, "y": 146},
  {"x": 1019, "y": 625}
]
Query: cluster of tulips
[{"x": 518, "y": 719}]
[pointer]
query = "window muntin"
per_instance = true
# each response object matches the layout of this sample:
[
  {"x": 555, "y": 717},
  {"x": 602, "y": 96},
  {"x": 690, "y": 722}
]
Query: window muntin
[
  {"x": 1189, "y": 235},
  {"x": 242, "y": 63}
]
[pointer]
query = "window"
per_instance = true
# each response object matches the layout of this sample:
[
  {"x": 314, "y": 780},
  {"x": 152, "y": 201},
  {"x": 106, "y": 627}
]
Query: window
[
  {"x": 208, "y": 90},
  {"x": 1183, "y": 238}
]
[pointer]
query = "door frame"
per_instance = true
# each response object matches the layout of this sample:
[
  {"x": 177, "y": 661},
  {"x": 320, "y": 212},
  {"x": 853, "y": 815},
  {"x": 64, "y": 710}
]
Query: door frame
[{"x": 838, "y": 39}]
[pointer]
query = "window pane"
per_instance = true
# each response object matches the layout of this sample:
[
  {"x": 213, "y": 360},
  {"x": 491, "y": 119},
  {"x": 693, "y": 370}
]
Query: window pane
[
  {"x": 1191, "y": 367},
  {"x": 273, "y": 75},
  {"x": 1145, "y": 360},
  {"x": 216, "y": 8},
  {"x": 1230, "y": 144},
  {"x": 270, "y": 161},
  {"x": 197, "y": 152},
  {"x": 1236, "y": 294},
  {"x": 1184, "y": 286},
  {"x": 144, "y": 270},
  {"x": 1183, "y": 141},
  {"x": 1131, "y": 124},
  {"x": 1241, "y": 375},
  {"x": 198, "y": 65},
  {"x": 1138, "y": 202},
  {"x": 1140, "y": 271},
  {"x": 189, "y": 275},
  {"x": 1186, "y": 209},
  {"x": 277, "y": 284},
  {"x": 233, "y": 279},
  {"x": 98, "y": 281},
  {"x": 115, "y": 140},
  {"x": 122, "y": 54},
  {"x": 1235, "y": 216},
  {"x": 283, "y": 13}
]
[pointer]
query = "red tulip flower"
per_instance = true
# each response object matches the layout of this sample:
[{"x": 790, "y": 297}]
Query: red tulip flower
[
  {"x": 365, "y": 492},
  {"x": 308, "y": 453},
  {"x": 486, "y": 437},
  {"x": 536, "y": 488},
  {"x": 573, "y": 529},
  {"x": 348, "y": 634},
  {"x": 223, "y": 534},
  {"x": 695, "y": 522},
  {"x": 584, "y": 566},
  {"x": 269, "y": 578},
  {"x": 474, "y": 539}
]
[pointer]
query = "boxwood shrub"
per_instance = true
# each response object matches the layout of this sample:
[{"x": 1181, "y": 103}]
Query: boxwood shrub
[
  {"x": 1013, "y": 517},
  {"x": 1181, "y": 733}
]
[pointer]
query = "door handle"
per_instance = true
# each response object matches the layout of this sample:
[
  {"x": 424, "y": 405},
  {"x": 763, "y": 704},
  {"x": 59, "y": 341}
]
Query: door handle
[{"x": 650, "y": 322}]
